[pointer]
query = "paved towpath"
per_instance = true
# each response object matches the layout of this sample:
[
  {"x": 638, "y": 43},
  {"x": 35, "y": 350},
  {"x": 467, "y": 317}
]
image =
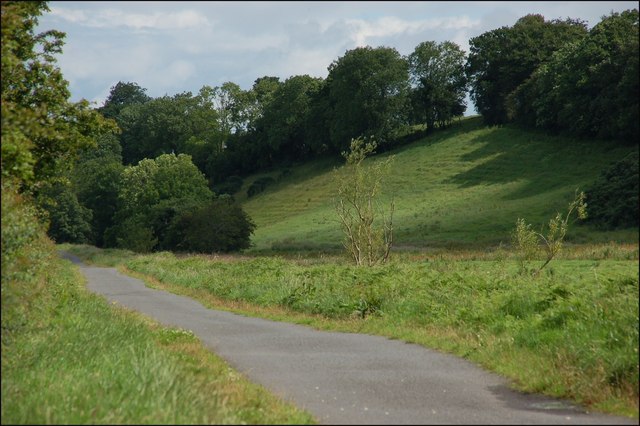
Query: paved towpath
[{"x": 345, "y": 378}]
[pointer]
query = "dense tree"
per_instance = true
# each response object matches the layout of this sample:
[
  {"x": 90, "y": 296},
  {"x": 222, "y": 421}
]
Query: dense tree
[
  {"x": 69, "y": 221},
  {"x": 612, "y": 200},
  {"x": 122, "y": 95},
  {"x": 588, "y": 88},
  {"x": 164, "y": 125},
  {"x": 41, "y": 129},
  {"x": 219, "y": 226},
  {"x": 151, "y": 195},
  {"x": 439, "y": 82},
  {"x": 286, "y": 117},
  {"x": 367, "y": 95},
  {"x": 96, "y": 181},
  {"x": 502, "y": 59}
]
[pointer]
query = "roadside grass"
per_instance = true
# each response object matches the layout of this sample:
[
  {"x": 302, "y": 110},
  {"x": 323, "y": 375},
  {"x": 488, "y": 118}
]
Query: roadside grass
[
  {"x": 464, "y": 186},
  {"x": 81, "y": 360},
  {"x": 570, "y": 332}
]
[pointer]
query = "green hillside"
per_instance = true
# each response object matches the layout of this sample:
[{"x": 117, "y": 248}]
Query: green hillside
[{"x": 463, "y": 186}]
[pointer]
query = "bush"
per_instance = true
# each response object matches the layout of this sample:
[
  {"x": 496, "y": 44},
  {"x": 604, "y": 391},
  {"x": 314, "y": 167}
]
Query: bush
[
  {"x": 69, "y": 221},
  {"x": 612, "y": 201},
  {"x": 220, "y": 226},
  {"x": 259, "y": 185},
  {"x": 230, "y": 186},
  {"x": 26, "y": 255}
]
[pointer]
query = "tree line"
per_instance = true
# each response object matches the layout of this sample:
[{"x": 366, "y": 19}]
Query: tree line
[{"x": 149, "y": 173}]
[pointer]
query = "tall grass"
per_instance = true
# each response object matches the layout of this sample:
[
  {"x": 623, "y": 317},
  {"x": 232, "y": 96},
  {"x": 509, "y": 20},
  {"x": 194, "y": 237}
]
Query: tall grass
[
  {"x": 68, "y": 357},
  {"x": 571, "y": 332}
]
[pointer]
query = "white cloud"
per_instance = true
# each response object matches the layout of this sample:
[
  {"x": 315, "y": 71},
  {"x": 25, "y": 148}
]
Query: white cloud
[
  {"x": 110, "y": 18},
  {"x": 363, "y": 31}
]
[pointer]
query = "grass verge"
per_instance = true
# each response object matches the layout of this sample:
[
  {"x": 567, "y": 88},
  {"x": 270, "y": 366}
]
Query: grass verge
[{"x": 79, "y": 360}]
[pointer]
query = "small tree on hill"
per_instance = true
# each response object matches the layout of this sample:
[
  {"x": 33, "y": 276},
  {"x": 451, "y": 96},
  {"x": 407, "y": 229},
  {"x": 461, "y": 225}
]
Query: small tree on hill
[{"x": 368, "y": 229}]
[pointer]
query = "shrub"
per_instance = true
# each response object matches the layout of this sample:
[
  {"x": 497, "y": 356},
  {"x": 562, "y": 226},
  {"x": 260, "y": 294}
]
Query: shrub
[
  {"x": 259, "y": 185},
  {"x": 220, "y": 226},
  {"x": 26, "y": 254},
  {"x": 526, "y": 240},
  {"x": 69, "y": 221},
  {"x": 230, "y": 186},
  {"x": 613, "y": 198},
  {"x": 367, "y": 241}
]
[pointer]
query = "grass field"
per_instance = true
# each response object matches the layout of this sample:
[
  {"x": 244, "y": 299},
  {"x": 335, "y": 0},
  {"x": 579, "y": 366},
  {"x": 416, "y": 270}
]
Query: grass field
[
  {"x": 570, "y": 332},
  {"x": 461, "y": 187}
]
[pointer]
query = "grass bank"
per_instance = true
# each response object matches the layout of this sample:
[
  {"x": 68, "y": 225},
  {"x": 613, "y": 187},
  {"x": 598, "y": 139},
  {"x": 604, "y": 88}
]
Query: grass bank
[
  {"x": 464, "y": 186},
  {"x": 570, "y": 332}
]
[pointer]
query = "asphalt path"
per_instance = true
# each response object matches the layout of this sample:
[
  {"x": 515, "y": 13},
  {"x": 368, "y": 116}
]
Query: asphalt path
[{"x": 345, "y": 378}]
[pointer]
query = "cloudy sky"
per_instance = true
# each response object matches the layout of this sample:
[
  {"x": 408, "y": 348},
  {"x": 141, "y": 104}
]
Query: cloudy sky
[{"x": 173, "y": 47}]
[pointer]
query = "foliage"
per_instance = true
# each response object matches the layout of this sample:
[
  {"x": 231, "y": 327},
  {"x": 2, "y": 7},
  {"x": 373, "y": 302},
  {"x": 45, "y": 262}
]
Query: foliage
[
  {"x": 613, "y": 197},
  {"x": 440, "y": 85},
  {"x": 151, "y": 195},
  {"x": 259, "y": 185},
  {"x": 526, "y": 240},
  {"x": 220, "y": 226},
  {"x": 500, "y": 60},
  {"x": 69, "y": 221},
  {"x": 367, "y": 241},
  {"x": 590, "y": 87},
  {"x": 367, "y": 91},
  {"x": 285, "y": 119},
  {"x": 26, "y": 256},
  {"x": 163, "y": 126},
  {"x": 122, "y": 95},
  {"x": 96, "y": 182},
  {"x": 230, "y": 185},
  {"x": 41, "y": 129}
]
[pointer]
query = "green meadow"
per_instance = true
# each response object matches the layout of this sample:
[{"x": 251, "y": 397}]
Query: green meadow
[{"x": 460, "y": 187}]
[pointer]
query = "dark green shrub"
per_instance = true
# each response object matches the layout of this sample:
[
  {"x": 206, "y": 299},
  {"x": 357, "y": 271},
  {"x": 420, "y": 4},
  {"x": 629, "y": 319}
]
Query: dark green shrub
[
  {"x": 230, "y": 186},
  {"x": 69, "y": 221},
  {"x": 220, "y": 226},
  {"x": 612, "y": 201},
  {"x": 259, "y": 185}
]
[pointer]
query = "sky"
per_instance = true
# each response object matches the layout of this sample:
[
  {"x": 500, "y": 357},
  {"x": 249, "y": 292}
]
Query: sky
[{"x": 180, "y": 46}]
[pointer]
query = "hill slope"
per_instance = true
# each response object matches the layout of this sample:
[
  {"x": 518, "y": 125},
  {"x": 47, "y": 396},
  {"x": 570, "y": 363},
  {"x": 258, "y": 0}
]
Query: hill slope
[{"x": 463, "y": 186}]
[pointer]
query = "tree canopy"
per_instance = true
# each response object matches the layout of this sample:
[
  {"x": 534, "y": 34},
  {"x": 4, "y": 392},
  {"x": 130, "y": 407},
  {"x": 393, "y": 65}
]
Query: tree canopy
[
  {"x": 502, "y": 59},
  {"x": 367, "y": 91},
  {"x": 41, "y": 130}
]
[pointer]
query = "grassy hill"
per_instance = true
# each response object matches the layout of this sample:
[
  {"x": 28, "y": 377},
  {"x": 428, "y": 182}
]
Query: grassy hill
[{"x": 461, "y": 187}]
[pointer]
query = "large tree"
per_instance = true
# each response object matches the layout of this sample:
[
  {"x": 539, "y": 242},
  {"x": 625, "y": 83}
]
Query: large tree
[
  {"x": 439, "y": 84},
  {"x": 590, "y": 87},
  {"x": 286, "y": 118},
  {"x": 164, "y": 125},
  {"x": 41, "y": 130},
  {"x": 502, "y": 59},
  {"x": 122, "y": 95},
  {"x": 367, "y": 91},
  {"x": 151, "y": 195}
]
